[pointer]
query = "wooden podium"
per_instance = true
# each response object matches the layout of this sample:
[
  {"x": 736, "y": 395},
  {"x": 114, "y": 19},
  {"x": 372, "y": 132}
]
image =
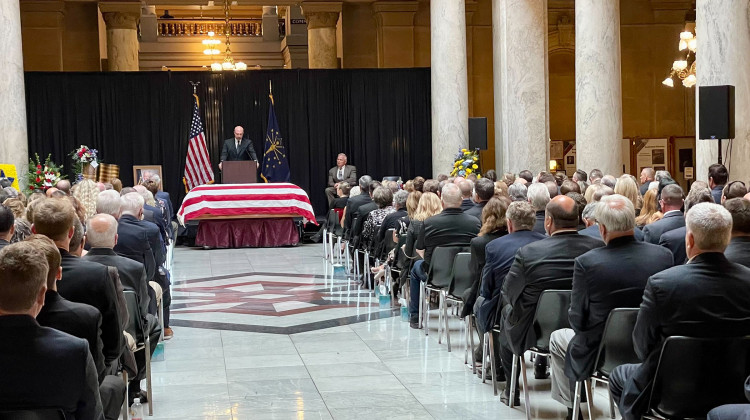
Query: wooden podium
[{"x": 239, "y": 172}]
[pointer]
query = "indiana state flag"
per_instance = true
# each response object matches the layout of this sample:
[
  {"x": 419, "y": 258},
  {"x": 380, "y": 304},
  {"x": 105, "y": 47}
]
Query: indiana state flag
[{"x": 275, "y": 166}]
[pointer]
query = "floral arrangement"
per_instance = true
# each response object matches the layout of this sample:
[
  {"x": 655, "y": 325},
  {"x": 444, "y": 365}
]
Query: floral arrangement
[
  {"x": 42, "y": 176},
  {"x": 467, "y": 162},
  {"x": 81, "y": 157}
]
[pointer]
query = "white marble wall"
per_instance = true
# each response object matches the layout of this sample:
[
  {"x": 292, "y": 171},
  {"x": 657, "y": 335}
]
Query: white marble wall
[
  {"x": 519, "y": 38},
  {"x": 598, "y": 86},
  {"x": 723, "y": 31},
  {"x": 450, "y": 88},
  {"x": 14, "y": 147}
]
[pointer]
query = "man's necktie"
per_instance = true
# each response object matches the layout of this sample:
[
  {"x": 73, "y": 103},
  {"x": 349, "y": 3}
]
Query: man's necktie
[
  {"x": 341, "y": 173},
  {"x": 236, "y": 145}
]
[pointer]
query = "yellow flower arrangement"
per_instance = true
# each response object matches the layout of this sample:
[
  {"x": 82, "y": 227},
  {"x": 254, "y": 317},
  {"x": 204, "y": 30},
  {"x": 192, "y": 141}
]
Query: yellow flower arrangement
[{"x": 466, "y": 163}]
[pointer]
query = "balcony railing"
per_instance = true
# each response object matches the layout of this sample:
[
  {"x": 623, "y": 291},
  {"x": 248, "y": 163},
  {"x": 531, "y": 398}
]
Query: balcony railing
[{"x": 201, "y": 27}]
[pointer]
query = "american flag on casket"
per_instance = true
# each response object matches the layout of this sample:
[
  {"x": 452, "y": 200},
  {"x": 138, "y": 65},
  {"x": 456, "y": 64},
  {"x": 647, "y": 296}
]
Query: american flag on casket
[{"x": 251, "y": 200}]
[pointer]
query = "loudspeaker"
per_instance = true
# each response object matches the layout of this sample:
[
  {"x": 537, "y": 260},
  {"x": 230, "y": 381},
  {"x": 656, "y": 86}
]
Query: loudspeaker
[
  {"x": 478, "y": 133},
  {"x": 716, "y": 112}
]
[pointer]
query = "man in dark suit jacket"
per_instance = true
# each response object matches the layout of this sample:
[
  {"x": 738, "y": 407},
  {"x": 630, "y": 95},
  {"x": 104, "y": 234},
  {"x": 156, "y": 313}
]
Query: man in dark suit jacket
[
  {"x": 85, "y": 281},
  {"x": 707, "y": 297},
  {"x": 467, "y": 191},
  {"x": 101, "y": 232},
  {"x": 7, "y": 226},
  {"x": 452, "y": 227},
  {"x": 79, "y": 320},
  {"x": 738, "y": 250},
  {"x": 237, "y": 148},
  {"x": 647, "y": 176},
  {"x": 338, "y": 174},
  {"x": 361, "y": 214},
  {"x": 542, "y": 265},
  {"x": 538, "y": 196},
  {"x": 671, "y": 205},
  {"x": 42, "y": 367},
  {"x": 604, "y": 278},
  {"x": 674, "y": 240},
  {"x": 483, "y": 191},
  {"x": 717, "y": 178},
  {"x": 353, "y": 204}
]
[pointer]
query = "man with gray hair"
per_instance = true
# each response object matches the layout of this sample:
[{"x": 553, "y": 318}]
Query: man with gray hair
[
  {"x": 592, "y": 229},
  {"x": 101, "y": 231},
  {"x": 708, "y": 297},
  {"x": 517, "y": 192},
  {"x": 626, "y": 264},
  {"x": 338, "y": 174},
  {"x": 671, "y": 205},
  {"x": 450, "y": 228},
  {"x": 538, "y": 196}
]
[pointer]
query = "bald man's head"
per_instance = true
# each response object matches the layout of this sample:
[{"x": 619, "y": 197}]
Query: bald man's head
[
  {"x": 561, "y": 213},
  {"x": 239, "y": 132},
  {"x": 50, "y": 191},
  {"x": 466, "y": 188},
  {"x": 101, "y": 231}
]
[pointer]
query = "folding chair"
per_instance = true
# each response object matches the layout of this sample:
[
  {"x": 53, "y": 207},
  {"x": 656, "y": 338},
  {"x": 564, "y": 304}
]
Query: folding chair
[{"x": 137, "y": 329}]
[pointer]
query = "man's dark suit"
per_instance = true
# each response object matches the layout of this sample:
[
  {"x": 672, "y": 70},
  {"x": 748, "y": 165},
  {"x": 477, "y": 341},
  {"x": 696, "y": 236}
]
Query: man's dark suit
[
  {"x": 499, "y": 255},
  {"x": 164, "y": 196},
  {"x": 716, "y": 193},
  {"x": 3, "y": 243},
  {"x": 539, "y": 225},
  {"x": 738, "y": 250},
  {"x": 476, "y": 211},
  {"x": 671, "y": 221},
  {"x": 46, "y": 368},
  {"x": 84, "y": 321},
  {"x": 390, "y": 221},
  {"x": 152, "y": 235},
  {"x": 361, "y": 214},
  {"x": 90, "y": 283},
  {"x": 156, "y": 216},
  {"x": 246, "y": 151},
  {"x": 674, "y": 240},
  {"x": 707, "y": 297},
  {"x": 592, "y": 231},
  {"x": 603, "y": 279},
  {"x": 644, "y": 188},
  {"x": 132, "y": 273},
  {"x": 467, "y": 203},
  {"x": 77, "y": 319},
  {"x": 542, "y": 265},
  {"x": 352, "y": 208},
  {"x": 132, "y": 242}
]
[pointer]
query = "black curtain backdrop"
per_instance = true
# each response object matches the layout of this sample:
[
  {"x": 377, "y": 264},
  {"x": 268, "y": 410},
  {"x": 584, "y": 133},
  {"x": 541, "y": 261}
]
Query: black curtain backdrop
[{"x": 379, "y": 118}]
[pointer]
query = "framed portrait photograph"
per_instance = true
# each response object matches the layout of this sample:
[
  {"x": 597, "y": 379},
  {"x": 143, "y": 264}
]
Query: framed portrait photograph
[
  {"x": 144, "y": 172},
  {"x": 571, "y": 160}
]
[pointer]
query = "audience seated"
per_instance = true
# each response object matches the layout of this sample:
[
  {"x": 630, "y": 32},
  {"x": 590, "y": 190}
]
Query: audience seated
[
  {"x": 542, "y": 265},
  {"x": 553, "y": 189},
  {"x": 363, "y": 212},
  {"x": 627, "y": 187},
  {"x": 342, "y": 197},
  {"x": 674, "y": 240},
  {"x": 595, "y": 177},
  {"x": 41, "y": 367},
  {"x": 609, "y": 181},
  {"x": 569, "y": 186},
  {"x": 580, "y": 176},
  {"x": 153, "y": 213},
  {"x": 383, "y": 198},
  {"x": 538, "y": 196},
  {"x": 393, "y": 220},
  {"x": 517, "y": 192},
  {"x": 671, "y": 204},
  {"x": 452, "y": 227},
  {"x": 592, "y": 229},
  {"x": 581, "y": 204},
  {"x": 79, "y": 320},
  {"x": 85, "y": 281},
  {"x": 735, "y": 189},
  {"x": 738, "y": 250},
  {"x": 526, "y": 175},
  {"x": 709, "y": 297},
  {"x": 647, "y": 176},
  {"x": 429, "y": 205},
  {"x": 613, "y": 276},
  {"x": 484, "y": 189},
  {"x": 101, "y": 232},
  {"x": 86, "y": 192}
]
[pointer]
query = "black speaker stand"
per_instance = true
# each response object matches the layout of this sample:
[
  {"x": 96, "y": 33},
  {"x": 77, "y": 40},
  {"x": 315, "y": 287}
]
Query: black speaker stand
[{"x": 719, "y": 151}]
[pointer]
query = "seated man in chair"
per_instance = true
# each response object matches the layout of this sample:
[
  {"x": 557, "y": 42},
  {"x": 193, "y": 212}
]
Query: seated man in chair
[{"x": 338, "y": 174}]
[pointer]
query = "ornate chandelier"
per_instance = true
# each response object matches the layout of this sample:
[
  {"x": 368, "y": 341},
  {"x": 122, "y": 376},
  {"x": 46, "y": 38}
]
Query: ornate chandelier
[
  {"x": 228, "y": 63},
  {"x": 684, "y": 69}
]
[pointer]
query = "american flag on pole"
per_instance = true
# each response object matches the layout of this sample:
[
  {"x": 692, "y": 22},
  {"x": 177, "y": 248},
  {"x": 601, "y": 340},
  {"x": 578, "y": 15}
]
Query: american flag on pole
[{"x": 198, "y": 169}]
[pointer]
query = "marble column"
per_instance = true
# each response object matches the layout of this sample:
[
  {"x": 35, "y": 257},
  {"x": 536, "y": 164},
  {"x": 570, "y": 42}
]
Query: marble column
[
  {"x": 322, "y": 18},
  {"x": 723, "y": 32},
  {"x": 598, "y": 86},
  {"x": 519, "y": 39},
  {"x": 270, "y": 24},
  {"x": 14, "y": 147},
  {"x": 122, "y": 35},
  {"x": 294, "y": 44},
  {"x": 450, "y": 91}
]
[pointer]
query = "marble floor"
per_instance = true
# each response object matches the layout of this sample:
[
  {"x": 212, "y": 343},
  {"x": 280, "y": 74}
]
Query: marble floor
[{"x": 272, "y": 334}]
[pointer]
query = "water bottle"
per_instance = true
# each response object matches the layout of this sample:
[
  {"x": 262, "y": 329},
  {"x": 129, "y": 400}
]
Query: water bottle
[{"x": 136, "y": 410}]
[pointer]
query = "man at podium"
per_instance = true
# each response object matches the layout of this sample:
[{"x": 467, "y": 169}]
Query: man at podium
[{"x": 238, "y": 148}]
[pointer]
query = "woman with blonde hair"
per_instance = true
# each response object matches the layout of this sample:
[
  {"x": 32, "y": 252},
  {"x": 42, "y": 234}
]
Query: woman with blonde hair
[
  {"x": 627, "y": 187},
  {"x": 429, "y": 205},
  {"x": 649, "y": 213},
  {"x": 86, "y": 192}
]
